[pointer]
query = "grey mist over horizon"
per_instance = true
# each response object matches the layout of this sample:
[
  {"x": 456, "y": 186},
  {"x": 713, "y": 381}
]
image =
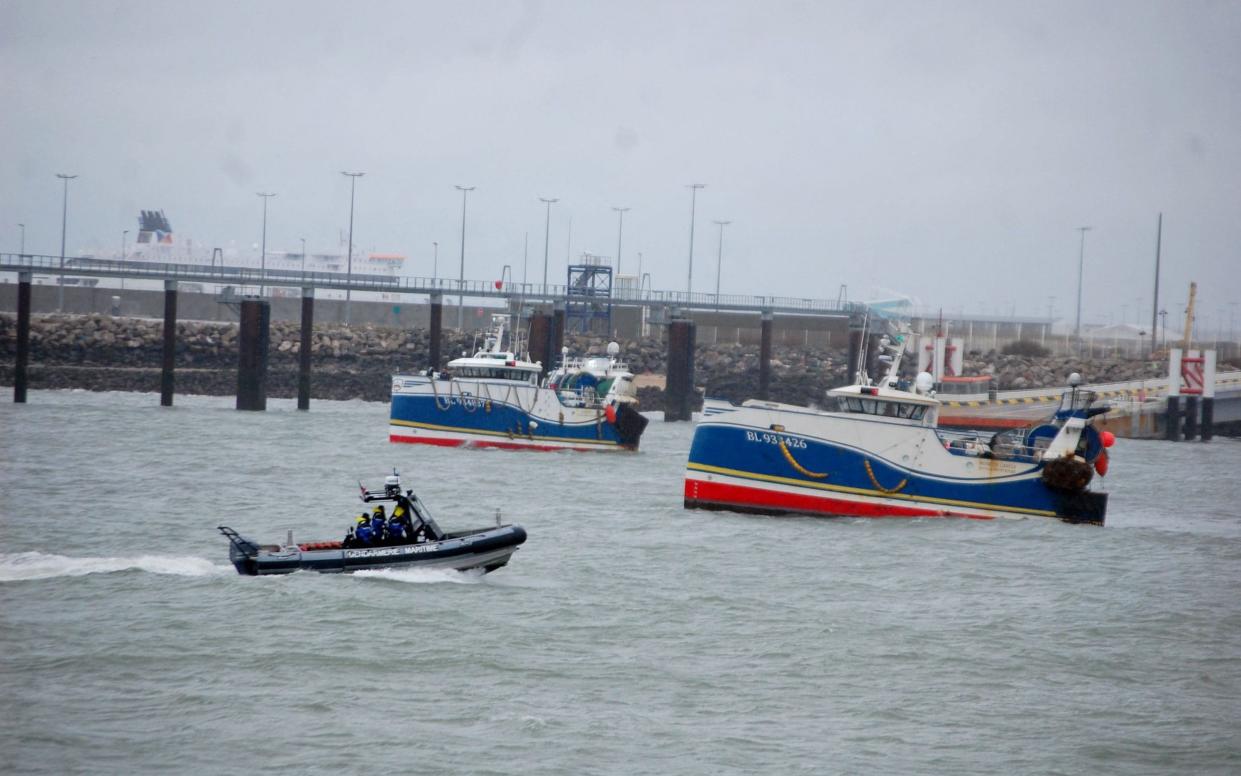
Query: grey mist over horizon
[{"x": 948, "y": 152}]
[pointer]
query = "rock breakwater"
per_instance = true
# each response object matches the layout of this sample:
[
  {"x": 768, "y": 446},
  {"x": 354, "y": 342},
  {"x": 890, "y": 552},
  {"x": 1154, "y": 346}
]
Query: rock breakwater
[{"x": 100, "y": 352}]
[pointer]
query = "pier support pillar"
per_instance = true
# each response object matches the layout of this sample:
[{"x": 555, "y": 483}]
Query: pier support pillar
[
  {"x": 304, "y": 348},
  {"x": 764, "y": 355},
  {"x": 1191, "y": 417},
  {"x": 23, "y": 336},
  {"x": 252, "y": 342},
  {"x": 1208, "y": 419},
  {"x": 679, "y": 389},
  {"x": 540, "y": 344},
  {"x": 1172, "y": 420},
  {"x": 167, "y": 380},
  {"x": 437, "y": 330},
  {"x": 855, "y": 349},
  {"x": 558, "y": 314}
]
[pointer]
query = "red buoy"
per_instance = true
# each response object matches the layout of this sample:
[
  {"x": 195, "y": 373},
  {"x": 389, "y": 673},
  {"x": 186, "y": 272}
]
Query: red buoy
[
  {"x": 610, "y": 413},
  {"x": 1108, "y": 438},
  {"x": 1100, "y": 463}
]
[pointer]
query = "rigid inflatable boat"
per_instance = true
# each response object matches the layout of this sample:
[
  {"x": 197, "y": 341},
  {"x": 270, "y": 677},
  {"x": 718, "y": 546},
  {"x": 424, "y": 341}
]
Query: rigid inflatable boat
[{"x": 426, "y": 545}]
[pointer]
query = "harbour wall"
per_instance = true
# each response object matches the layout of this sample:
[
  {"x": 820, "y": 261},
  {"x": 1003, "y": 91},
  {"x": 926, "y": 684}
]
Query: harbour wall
[
  {"x": 114, "y": 353},
  {"x": 402, "y": 311}
]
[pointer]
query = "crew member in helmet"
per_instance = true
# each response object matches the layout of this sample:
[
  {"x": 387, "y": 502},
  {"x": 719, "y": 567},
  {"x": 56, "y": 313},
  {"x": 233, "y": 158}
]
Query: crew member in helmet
[
  {"x": 400, "y": 516},
  {"x": 379, "y": 524},
  {"x": 362, "y": 531},
  {"x": 396, "y": 530}
]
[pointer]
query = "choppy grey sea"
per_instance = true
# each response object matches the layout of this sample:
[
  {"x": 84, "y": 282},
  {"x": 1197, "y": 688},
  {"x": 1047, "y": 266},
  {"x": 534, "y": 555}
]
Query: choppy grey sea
[{"x": 628, "y": 636}]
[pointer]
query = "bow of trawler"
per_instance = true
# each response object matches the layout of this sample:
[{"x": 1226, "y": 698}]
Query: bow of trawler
[{"x": 876, "y": 451}]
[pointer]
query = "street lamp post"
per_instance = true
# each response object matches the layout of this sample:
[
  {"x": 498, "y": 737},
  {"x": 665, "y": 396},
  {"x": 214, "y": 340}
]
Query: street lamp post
[
  {"x": 435, "y": 262},
  {"x": 693, "y": 198},
  {"x": 547, "y": 231},
  {"x": 465, "y": 192},
  {"x": 1081, "y": 256},
  {"x": 719, "y": 262},
  {"x": 353, "y": 179},
  {"x": 22, "y": 250},
  {"x": 263, "y": 259},
  {"x": 64, "y": 219},
  {"x": 620, "y": 231},
  {"x": 303, "y": 239}
]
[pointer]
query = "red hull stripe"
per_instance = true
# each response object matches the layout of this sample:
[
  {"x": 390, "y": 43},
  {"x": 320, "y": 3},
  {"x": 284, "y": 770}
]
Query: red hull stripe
[
  {"x": 724, "y": 494},
  {"x": 422, "y": 440}
]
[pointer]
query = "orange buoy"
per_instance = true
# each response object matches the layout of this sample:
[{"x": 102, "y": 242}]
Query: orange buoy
[
  {"x": 610, "y": 413},
  {"x": 1100, "y": 463}
]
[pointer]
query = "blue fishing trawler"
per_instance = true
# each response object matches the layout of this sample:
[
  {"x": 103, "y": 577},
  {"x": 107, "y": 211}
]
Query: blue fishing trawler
[
  {"x": 495, "y": 398},
  {"x": 877, "y": 452}
]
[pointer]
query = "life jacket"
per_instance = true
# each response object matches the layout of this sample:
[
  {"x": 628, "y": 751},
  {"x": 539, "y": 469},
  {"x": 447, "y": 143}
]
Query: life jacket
[{"x": 364, "y": 534}]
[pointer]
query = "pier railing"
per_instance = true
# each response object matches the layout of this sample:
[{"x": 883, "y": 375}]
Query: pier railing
[
  {"x": 1154, "y": 387},
  {"x": 222, "y": 274}
]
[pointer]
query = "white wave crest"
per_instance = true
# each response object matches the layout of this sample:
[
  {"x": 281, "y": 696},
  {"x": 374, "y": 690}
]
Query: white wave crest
[
  {"x": 423, "y": 576},
  {"x": 16, "y": 567}
]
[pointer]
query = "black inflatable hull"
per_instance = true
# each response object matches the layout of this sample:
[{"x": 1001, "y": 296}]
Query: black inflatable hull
[{"x": 487, "y": 549}]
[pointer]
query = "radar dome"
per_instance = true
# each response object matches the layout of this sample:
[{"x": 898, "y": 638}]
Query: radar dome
[
  {"x": 924, "y": 382},
  {"x": 1075, "y": 379},
  {"x": 613, "y": 349}
]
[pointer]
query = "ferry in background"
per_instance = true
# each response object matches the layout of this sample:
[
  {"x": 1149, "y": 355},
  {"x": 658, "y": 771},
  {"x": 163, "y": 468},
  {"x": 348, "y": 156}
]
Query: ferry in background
[
  {"x": 496, "y": 399},
  {"x": 157, "y": 243},
  {"x": 879, "y": 453}
]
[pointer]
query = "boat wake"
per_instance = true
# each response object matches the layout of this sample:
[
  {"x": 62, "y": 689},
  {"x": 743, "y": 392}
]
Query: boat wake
[
  {"x": 22, "y": 566},
  {"x": 423, "y": 576}
]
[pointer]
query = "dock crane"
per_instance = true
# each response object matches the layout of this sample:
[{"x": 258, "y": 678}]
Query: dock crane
[{"x": 1189, "y": 317}]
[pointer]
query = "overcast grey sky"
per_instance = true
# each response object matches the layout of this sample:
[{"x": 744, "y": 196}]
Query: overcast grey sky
[{"x": 943, "y": 150}]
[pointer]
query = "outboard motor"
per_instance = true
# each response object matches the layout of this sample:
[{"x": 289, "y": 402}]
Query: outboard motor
[{"x": 392, "y": 485}]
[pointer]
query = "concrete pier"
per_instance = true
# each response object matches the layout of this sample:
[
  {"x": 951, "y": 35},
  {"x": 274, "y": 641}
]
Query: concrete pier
[
  {"x": 252, "y": 342},
  {"x": 437, "y": 329},
  {"x": 1191, "y": 417},
  {"x": 855, "y": 349},
  {"x": 304, "y": 348},
  {"x": 540, "y": 343},
  {"x": 558, "y": 314},
  {"x": 679, "y": 389},
  {"x": 764, "y": 355},
  {"x": 1172, "y": 419},
  {"x": 1208, "y": 418},
  {"x": 23, "y": 337},
  {"x": 167, "y": 380}
]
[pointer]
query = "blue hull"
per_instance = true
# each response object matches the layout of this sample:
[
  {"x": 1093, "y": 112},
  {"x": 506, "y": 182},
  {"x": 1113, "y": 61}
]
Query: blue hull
[
  {"x": 800, "y": 474},
  {"x": 428, "y": 419}
]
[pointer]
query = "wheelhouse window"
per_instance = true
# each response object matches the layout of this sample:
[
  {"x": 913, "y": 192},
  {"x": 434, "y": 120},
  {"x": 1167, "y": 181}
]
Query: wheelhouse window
[
  {"x": 882, "y": 407},
  {"x": 494, "y": 373}
]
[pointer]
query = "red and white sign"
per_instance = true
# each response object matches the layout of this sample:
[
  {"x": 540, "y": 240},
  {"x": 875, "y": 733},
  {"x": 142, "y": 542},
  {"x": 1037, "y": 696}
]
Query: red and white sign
[{"x": 1192, "y": 374}]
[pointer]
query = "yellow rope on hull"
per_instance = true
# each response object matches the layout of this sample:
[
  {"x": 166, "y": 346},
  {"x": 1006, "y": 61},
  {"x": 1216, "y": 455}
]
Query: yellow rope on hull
[
  {"x": 870, "y": 473},
  {"x": 788, "y": 456}
]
